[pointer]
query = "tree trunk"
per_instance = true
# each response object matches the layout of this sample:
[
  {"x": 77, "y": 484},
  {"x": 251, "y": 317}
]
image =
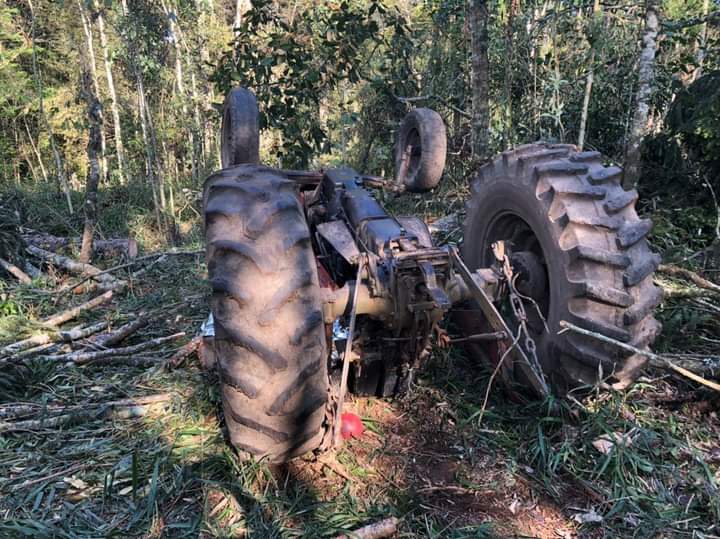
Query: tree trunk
[
  {"x": 87, "y": 29},
  {"x": 240, "y": 9},
  {"x": 95, "y": 122},
  {"x": 586, "y": 101},
  {"x": 149, "y": 149},
  {"x": 701, "y": 44},
  {"x": 646, "y": 73},
  {"x": 179, "y": 82},
  {"x": 509, "y": 46},
  {"x": 478, "y": 15},
  {"x": 60, "y": 168},
  {"x": 36, "y": 151},
  {"x": 589, "y": 78},
  {"x": 119, "y": 146}
]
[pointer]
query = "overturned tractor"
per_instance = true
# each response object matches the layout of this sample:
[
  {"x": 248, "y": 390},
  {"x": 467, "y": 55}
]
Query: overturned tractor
[{"x": 318, "y": 290}]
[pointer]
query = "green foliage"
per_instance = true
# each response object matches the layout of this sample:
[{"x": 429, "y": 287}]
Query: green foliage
[
  {"x": 293, "y": 64},
  {"x": 694, "y": 118}
]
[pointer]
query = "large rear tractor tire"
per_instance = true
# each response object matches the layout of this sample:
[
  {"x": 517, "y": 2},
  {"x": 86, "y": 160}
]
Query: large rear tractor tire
[
  {"x": 269, "y": 333},
  {"x": 572, "y": 227}
]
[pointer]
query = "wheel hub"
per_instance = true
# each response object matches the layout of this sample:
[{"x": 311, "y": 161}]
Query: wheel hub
[{"x": 531, "y": 274}]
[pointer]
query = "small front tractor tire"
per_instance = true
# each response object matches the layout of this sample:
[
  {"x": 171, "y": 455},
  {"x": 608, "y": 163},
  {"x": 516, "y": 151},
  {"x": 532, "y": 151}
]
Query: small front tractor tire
[
  {"x": 567, "y": 215},
  {"x": 420, "y": 150},
  {"x": 240, "y": 131},
  {"x": 266, "y": 304}
]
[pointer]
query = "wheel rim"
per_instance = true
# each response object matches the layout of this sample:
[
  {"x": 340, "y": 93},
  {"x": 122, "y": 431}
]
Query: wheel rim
[
  {"x": 413, "y": 154},
  {"x": 529, "y": 265}
]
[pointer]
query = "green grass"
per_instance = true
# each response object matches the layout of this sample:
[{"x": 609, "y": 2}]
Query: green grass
[{"x": 524, "y": 470}]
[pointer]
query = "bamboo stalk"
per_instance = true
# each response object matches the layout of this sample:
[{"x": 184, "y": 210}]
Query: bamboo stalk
[
  {"x": 81, "y": 358},
  {"x": 69, "y": 314},
  {"x": 120, "y": 409}
]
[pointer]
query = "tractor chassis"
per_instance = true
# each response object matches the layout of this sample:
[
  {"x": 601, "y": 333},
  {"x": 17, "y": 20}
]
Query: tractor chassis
[{"x": 407, "y": 284}]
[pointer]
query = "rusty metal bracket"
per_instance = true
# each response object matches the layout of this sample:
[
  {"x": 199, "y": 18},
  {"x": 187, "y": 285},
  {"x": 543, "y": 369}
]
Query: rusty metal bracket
[{"x": 439, "y": 298}]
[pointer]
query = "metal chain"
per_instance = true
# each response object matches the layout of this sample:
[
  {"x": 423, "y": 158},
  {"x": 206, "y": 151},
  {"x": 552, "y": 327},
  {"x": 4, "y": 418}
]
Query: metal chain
[{"x": 518, "y": 309}]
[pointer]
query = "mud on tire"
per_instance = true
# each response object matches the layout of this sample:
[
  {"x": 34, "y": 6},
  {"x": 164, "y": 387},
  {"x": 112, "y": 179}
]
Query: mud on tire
[
  {"x": 269, "y": 332},
  {"x": 599, "y": 266}
]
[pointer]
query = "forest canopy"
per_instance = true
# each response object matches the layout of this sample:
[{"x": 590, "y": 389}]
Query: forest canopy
[{"x": 635, "y": 81}]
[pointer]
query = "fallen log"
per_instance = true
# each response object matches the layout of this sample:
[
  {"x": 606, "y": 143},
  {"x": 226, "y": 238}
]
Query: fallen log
[
  {"x": 81, "y": 358},
  {"x": 50, "y": 347},
  {"x": 105, "y": 281},
  {"x": 658, "y": 361},
  {"x": 31, "y": 270},
  {"x": 112, "y": 247},
  {"x": 16, "y": 272},
  {"x": 131, "y": 361},
  {"x": 69, "y": 314},
  {"x": 377, "y": 530}
]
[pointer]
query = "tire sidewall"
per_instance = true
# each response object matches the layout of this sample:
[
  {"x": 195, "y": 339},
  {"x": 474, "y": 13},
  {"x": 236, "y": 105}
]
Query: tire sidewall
[
  {"x": 431, "y": 130},
  {"x": 240, "y": 129},
  {"x": 504, "y": 196}
]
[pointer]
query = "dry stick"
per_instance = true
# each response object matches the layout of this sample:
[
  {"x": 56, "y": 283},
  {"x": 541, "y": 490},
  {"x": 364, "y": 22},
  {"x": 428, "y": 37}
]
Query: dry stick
[
  {"x": 133, "y": 262},
  {"x": 10, "y": 411},
  {"x": 64, "y": 316},
  {"x": 184, "y": 352},
  {"x": 676, "y": 271},
  {"x": 661, "y": 361},
  {"x": 121, "y": 333},
  {"x": 494, "y": 374},
  {"x": 13, "y": 411},
  {"x": 347, "y": 355},
  {"x": 81, "y": 358},
  {"x": 78, "y": 333},
  {"x": 66, "y": 472},
  {"x": 33, "y": 424},
  {"x": 35, "y": 340},
  {"x": 145, "y": 269},
  {"x": 15, "y": 350},
  {"x": 80, "y": 268},
  {"x": 126, "y": 410},
  {"x": 19, "y": 274},
  {"x": 377, "y": 530}
]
